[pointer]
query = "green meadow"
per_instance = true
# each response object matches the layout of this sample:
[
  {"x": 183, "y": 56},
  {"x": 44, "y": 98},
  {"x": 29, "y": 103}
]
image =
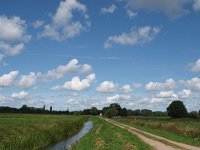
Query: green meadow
[{"x": 105, "y": 136}]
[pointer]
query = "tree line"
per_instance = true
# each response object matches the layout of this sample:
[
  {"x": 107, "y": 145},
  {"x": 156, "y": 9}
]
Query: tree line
[{"x": 175, "y": 110}]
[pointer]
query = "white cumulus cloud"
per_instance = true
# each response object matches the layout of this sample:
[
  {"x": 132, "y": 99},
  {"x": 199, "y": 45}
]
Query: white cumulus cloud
[
  {"x": 167, "y": 94},
  {"x": 63, "y": 25},
  {"x": 193, "y": 83},
  {"x": 19, "y": 96},
  {"x": 136, "y": 36},
  {"x": 13, "y": 35},
  {"x": 171, "y": 8},
  {"x": 107, "y": 87},
  {"x": 77, "y": 84},
  {"x": 8, "y": 79},
  {"x": 127, "y": 88},
  {"x": 196, "y": 66},
  {"x": 110, "y": 9},
  {"x": 29, "y": 80},
  {"x": 185, "y": 94},
  {"x": 131, "y": 14},
  {"x": 168, "y": 84}
]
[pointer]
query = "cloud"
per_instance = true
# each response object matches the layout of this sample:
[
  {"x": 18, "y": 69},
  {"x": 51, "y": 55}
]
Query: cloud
[
  {"x": 185, "y": 94},
  {"x": 61, "y": 71},
  {"x": 8, "y": 79},
  {"x": 115, "y": 98},
  {"x": 127, "y": 88},
  {"x": 28, "y": 81},
  {"x": 107, "y": 87},
  {"x": 11, "y": 50},
  {"x": 168, "y": 84},
  {"x": 63, "y": 25},
  {"x": 171, "y": 8},
  {"x": 20, "y": 96},
  {"x": 196, "y": 5},
  {"x": 78, "y": 85},
  {"x": 56, "y": 88},
  {"x": 167, "y": 94},
  {"x": 136, "y": 85},
  {"x": 38, "y": 23},
  {"x": 13, "y": 35},
  {"x": 131, "y": 14},
  {"x": 195, "y": 67},
  {"x": 136, "y": 36},
  {"x": 156, "y": 100},
  {"x": 110, "y": 9},
  {"x": 2, "y": 99},
  {"x": 193, "y": 83}
]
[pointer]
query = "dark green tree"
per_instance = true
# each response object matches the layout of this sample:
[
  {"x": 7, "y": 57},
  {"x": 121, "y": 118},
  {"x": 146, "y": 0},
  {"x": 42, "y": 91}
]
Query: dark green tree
[
  {"x": 112, "y": 112},
  {"x": 117, "y": 106},
  {"x": 177, "y": 110},
  {"x": 93, "y": 111},
  {"x": 50, "y": 108},
  {"x": 123, "y": 112}
]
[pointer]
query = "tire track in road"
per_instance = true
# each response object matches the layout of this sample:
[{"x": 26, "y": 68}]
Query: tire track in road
[{"x": 157, "y": 142}]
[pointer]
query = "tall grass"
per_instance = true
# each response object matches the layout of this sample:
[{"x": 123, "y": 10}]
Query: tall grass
[{"x": 19, "y": 131}]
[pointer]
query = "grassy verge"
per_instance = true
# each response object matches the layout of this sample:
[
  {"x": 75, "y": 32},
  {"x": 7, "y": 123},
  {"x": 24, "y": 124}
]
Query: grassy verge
[
  {"x": 105, "y": 136},
  {"x": 21, "y": 131},
  {"x": 181, "y": 130}
]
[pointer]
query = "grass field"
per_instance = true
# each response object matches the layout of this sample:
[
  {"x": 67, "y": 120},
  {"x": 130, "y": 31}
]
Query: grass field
[
  {"x": 105, "y": 136},
  {"x": 31, "y": 132},
  {"x": 181, "y": 130}
]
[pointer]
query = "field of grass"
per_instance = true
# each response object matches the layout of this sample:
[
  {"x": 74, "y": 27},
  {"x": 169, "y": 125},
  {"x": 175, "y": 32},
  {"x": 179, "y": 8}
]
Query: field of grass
[
  {"x": 105, "y": 136},
  {"x": 25, "y": 132},
  {"x": 181, "y": 130}
]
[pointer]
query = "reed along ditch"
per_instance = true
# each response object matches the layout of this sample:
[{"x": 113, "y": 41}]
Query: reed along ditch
[{"x": 67, "y": 143}]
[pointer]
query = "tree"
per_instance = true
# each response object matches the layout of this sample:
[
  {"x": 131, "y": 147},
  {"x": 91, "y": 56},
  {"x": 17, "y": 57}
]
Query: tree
[
  {"x": 93, "y": 111},
  {"x": 194, "y": 114},
  {"x": 112, "y": 112},
  {"x": 44, "y": 107},
  {"x": 146, "y": 112},
  {"x": 50, "y": 108},
  {"x": 117, "y": 106},
  {"x": 137, "y": 112},
  {"x": 104, "y": 110},
  {"x": 123, "y": 112},
  {"x": 86, "y": 112},
  {"x": 177, "y": 110}
]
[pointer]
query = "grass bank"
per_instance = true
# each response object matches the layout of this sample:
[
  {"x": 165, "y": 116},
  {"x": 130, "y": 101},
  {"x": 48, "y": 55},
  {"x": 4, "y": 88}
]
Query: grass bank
[
  {"x": 25, "y": 131},
  {"x": 105, "y": 136},
  {"x": 180, "y": 130}
]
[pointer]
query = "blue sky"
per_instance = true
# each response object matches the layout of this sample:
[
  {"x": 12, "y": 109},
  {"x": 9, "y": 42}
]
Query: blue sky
[{"x": 75, "y": 54}]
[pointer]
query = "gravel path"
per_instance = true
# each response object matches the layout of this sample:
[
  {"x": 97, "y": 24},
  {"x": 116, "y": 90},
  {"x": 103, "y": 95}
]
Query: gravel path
[{"x": 157, "y": 142}]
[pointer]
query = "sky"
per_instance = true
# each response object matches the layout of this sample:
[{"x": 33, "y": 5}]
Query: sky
[{"x": 78, "y": 54}]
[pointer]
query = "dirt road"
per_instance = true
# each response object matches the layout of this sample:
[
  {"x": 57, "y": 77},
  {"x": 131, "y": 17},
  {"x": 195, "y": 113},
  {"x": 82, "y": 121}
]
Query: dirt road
[{"x": 156, "y": 142}]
